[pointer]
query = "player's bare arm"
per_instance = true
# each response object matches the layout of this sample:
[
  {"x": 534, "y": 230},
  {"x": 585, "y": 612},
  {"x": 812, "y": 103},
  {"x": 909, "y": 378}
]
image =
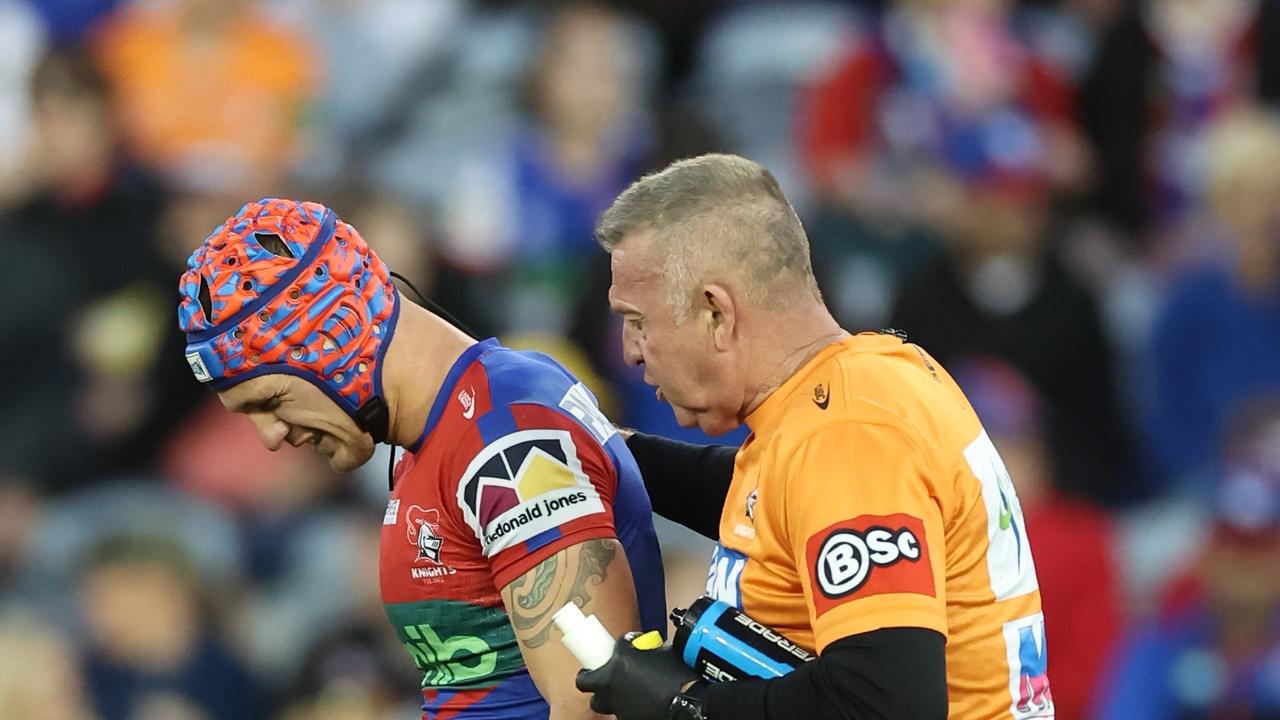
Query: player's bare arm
[{"x": 594, "y": 575}]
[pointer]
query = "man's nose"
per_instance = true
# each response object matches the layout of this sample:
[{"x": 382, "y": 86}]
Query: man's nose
[
  {"x": 271, "y": 430},
  {"x": 632, "y": 354}
]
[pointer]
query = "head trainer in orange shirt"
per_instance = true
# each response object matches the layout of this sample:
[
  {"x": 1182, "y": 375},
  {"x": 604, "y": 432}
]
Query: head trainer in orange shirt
[{"x": 867, "y": 497}]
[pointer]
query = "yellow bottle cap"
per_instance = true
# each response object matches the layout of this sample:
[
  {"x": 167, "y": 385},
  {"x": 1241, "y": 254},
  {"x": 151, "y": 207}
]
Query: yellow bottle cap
[{"x": 651, "y": 640}]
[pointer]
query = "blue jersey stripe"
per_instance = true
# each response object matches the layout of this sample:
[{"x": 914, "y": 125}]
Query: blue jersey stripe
[
  {"x": 496, "y": 423},
  {"x": 542, "y": 539}
]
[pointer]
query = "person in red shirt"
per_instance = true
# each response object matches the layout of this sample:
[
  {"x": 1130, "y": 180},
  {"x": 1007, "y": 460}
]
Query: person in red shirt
[{"x": 515, "y": 495}]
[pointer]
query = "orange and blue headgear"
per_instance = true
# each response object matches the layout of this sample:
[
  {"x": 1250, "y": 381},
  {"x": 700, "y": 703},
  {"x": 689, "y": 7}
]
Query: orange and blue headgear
[{"x": 285, "y": 286}]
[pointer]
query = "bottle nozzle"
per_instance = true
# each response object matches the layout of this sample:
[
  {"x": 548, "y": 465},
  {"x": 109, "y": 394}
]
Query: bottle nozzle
[
  {"x": 584, "y": 636},
  {"x": 677, "y": 616}
]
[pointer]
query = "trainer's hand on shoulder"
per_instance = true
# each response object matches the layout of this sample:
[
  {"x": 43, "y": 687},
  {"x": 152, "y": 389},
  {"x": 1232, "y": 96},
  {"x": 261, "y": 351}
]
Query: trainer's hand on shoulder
[{"x": 640, "y": 681}]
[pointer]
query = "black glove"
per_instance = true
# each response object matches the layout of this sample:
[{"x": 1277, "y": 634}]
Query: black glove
[{"x": 637, "y": 684}]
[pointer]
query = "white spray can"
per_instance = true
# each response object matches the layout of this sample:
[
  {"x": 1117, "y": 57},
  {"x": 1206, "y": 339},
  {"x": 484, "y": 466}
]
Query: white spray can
[{"x": 584, "y": 635}]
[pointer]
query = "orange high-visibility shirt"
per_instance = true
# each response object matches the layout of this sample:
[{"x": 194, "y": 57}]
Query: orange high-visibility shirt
[{"x": 868, "y": 496}]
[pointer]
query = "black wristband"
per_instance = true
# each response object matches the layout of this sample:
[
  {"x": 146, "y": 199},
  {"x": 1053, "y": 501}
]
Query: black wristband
[{"x": 688, "y": 704}]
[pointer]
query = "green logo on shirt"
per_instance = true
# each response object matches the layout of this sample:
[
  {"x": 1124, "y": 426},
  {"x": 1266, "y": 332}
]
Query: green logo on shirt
[
  {"x": 457, "y": 660},
  {"x": 457, "y": 644}
]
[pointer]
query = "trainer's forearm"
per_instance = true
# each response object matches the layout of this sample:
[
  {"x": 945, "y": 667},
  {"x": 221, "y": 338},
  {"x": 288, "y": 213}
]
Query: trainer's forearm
[
  {"x": 884, "y": 674},
  {"x": 687, "y": 483}
]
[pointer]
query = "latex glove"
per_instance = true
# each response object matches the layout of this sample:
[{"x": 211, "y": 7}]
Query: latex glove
[{"x": 640, "y": 681}]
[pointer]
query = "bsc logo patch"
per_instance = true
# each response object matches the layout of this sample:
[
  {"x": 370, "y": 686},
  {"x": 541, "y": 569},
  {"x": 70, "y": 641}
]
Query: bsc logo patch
[{"x": 868, "y": 555}]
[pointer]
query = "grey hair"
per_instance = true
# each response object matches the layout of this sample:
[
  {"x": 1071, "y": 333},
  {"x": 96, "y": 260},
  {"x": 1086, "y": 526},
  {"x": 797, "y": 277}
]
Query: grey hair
[{"x": 726, "y": 208}]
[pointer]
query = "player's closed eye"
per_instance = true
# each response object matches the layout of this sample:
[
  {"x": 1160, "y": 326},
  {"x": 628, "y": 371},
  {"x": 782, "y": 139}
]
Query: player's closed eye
[{"x": 265, "y": 405}]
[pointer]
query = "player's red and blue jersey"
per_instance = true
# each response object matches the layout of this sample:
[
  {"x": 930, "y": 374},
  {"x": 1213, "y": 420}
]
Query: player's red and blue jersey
[{"x": 516, "y": 463}]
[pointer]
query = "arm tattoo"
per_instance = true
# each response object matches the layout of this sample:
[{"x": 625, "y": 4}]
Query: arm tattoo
[
  {"x": 594, "y": 562},
  {"x": 544, "y": 574},
  {"x": 541, "y": 593}
]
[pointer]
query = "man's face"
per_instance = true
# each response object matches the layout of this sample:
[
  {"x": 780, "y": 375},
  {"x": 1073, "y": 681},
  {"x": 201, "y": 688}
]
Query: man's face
[
  {"x": 285, "y": 408},
  {"x": 680, "y": 360},
  {"x": 138, "y": 610}
]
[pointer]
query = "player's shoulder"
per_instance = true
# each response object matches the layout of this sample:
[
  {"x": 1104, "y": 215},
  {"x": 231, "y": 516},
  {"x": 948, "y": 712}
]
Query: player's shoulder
[
  {"x": 540, "y": 444},
  {"x": 528, "y": 389},
  {"x": 895, "y": 374},
  {"x": 884, "y": 363},
  {"x": 494, "y": 392},
  {"x": 876, "y": 379},
  {"x": 523, "y": 376}
]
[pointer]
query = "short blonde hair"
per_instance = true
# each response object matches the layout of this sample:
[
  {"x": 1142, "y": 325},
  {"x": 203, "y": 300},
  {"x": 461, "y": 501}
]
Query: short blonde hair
[{"x": 729, "y": 210}]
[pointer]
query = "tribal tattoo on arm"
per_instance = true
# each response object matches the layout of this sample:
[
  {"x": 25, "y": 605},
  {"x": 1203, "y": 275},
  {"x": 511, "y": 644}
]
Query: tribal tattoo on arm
[{"x": 567, "y": 576}]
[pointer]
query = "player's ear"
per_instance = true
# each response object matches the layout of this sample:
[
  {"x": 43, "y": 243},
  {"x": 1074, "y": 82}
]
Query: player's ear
[{"x": 721, "y": 315}]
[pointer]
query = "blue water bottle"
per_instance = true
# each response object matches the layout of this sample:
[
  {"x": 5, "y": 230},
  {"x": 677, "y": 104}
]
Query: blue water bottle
[{"x": 723, "y": 644}]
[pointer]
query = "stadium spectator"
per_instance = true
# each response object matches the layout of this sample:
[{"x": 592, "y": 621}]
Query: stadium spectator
[
  {"x": 1071, "y": 538},
  {"x": 884, "y": 131},
  {"x": 524, "y": 211},
  {"x": 210, "y": 91},
  {"x": 152, "y": 650},
  {"x": 999, "y": 288},
  {"x": 1216, "y": 651},
  {"x": 1162, "y": 72},
  {"x": 519, "y": 218},
  {"x": 1223, "y": 304},
  {"x": 94, "y": 367},
  {"x": 936, "y": 191}
]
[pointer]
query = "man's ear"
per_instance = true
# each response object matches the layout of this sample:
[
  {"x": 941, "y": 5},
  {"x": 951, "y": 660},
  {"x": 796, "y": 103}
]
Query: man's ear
[{"x": 721, "y": 313}]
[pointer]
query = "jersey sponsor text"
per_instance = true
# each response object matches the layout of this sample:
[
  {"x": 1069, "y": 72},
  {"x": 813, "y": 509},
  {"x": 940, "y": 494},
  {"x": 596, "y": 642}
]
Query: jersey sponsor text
[
  {"x": 1028, "y": 656},
  {"x": 523, "y": 484},
  {"x": 869, "y": 555},
  {"x": 724, "y": 579}
]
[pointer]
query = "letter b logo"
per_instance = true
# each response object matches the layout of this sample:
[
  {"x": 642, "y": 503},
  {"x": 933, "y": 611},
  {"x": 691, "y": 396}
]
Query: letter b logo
[{"x": 843, "y": 563}]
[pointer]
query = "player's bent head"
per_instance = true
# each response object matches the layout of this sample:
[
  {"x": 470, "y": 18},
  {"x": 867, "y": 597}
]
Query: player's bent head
[
  {"x": 287, "y": 409},
  {"x": 288, "y": 315}
]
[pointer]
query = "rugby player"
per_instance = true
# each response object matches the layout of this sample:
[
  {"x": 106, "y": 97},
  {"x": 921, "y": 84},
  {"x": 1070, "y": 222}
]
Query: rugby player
[{"x": 515, "y": 494}]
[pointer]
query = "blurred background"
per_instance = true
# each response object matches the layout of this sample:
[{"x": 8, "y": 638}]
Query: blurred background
[{"x": 1075, "y": 205}]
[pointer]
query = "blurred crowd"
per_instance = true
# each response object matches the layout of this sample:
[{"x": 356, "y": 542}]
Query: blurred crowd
[{"x": 1073, "y": 204}]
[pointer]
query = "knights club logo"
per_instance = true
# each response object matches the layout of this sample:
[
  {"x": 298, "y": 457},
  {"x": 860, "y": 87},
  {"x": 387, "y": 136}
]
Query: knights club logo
[{"x": 424, "y": 532}]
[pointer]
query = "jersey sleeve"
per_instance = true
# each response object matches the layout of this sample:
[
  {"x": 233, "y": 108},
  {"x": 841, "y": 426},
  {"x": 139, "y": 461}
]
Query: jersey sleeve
[
  {"x": 866, "y": 530},
  {"x": 539, "y": 483}
]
